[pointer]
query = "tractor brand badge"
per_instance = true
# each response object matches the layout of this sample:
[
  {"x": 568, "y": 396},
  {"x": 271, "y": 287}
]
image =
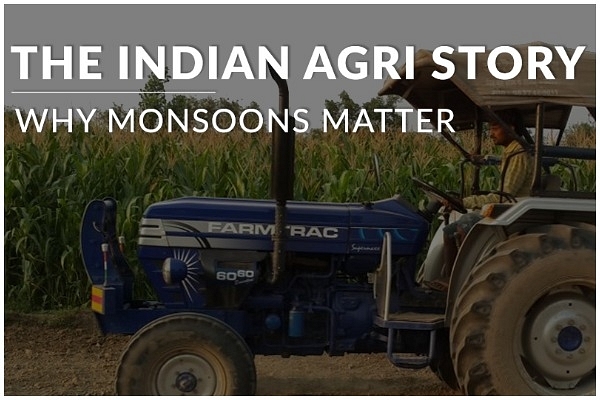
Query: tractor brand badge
[{"x": 239, "y": 228}]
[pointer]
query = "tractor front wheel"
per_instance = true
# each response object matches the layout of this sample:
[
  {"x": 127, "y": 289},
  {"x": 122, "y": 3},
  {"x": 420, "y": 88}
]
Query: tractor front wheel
[{"x": 186, "y": 354}]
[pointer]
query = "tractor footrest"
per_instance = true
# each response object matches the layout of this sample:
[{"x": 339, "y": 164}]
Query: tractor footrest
[{"x": 411, "y": 320}]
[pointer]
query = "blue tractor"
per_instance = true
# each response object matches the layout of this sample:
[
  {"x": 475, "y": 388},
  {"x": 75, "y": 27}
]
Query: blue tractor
[{"x": 238, "y": 277}]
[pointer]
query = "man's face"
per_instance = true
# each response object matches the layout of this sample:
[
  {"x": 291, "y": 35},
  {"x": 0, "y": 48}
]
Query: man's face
[{"x": 498, "y": 136}]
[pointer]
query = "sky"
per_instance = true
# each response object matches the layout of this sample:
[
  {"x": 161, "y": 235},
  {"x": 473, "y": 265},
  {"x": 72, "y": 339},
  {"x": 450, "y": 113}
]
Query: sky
[{"x": 300, "y": 27}]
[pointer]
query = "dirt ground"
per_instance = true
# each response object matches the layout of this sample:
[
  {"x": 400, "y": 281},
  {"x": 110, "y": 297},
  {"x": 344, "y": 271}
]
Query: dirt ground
[{"x": 65, "y": 354}]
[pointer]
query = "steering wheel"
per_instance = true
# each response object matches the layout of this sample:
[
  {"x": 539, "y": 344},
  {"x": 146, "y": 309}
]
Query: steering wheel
[{"x": 455, "y": 203}]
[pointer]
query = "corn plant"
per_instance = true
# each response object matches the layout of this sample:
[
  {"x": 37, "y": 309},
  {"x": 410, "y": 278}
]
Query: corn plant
[{"x": 50, "y": 177}]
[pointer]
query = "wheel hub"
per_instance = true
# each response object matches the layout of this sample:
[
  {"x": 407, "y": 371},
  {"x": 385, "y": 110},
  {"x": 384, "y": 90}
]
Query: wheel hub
[
  {"x": 570, "y": 338},
  {"x": 186, "y": 382},
  {"x": 186, "y": 374},
  {"x": 560, "y": 342}
]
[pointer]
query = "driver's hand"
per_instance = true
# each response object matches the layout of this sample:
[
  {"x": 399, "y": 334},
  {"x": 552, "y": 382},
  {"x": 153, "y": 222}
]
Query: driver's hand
[
  {"x": 448, "y": 204},
  {"x": 477, "y": 159}
]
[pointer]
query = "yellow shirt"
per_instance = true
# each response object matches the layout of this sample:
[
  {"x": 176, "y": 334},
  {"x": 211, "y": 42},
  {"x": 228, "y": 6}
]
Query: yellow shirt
[{"x": 517, "y": 179}]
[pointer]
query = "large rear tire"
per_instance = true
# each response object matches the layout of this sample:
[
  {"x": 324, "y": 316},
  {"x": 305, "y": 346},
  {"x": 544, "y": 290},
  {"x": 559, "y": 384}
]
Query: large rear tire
[
  {"x": 525, "y": 321},
  {"x": 186, "y": 354}
]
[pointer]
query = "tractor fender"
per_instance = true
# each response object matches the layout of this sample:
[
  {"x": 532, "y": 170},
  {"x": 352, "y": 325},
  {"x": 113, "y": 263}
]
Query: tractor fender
[
  {"x": 480, "y": 239},
  {"x": 527, "y": 213}
]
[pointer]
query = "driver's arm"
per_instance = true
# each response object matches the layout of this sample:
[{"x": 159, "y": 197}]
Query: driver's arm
[
  {"x": 517, "y": 181},
  {"x": 478, "y": 201}
]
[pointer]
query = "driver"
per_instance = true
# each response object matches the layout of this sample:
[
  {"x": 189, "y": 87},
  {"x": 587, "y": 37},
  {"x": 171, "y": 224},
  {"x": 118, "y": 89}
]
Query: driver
[{"x": 517, "y": 167}]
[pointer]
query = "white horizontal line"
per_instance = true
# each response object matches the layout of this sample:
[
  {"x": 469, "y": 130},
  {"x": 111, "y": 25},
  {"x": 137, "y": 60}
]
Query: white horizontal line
[{"x": 106, "y": 92}]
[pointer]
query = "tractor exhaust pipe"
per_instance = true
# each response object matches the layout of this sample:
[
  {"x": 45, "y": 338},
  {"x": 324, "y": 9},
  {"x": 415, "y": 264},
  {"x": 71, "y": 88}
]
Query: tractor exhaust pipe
[{"x": 282, "y": 176}]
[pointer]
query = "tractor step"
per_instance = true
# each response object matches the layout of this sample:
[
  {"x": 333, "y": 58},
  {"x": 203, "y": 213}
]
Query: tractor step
[
  {"x": 397, "y": 321},
  {"x": 410, "y": 321},
  {"x": 409, "y": 361}
]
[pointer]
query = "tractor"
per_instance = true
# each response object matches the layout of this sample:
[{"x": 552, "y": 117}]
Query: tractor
[{"x": 235, "y": 278}]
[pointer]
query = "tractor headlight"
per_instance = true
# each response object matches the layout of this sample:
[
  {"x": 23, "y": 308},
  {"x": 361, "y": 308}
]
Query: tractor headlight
[{"x": 173, "y": 271}]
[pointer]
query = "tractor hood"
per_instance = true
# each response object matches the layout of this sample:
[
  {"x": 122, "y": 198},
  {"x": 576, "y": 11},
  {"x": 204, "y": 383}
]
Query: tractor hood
[{"x": 340, "y": 228}]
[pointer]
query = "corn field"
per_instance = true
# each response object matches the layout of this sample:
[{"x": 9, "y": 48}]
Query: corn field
[{"x": 49, "y": 178}]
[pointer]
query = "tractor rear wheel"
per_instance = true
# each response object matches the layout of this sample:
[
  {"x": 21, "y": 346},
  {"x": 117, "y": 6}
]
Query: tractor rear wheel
[
  {"x": 186, "y": 354},
  {"x": 525, "y": 321}
]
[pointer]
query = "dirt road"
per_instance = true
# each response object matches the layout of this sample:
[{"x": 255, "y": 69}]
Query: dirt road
[{"x": 64, "y": 354}]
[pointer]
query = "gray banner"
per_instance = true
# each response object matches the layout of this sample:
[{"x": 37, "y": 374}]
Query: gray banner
[{"x": 299, "y": 27}]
